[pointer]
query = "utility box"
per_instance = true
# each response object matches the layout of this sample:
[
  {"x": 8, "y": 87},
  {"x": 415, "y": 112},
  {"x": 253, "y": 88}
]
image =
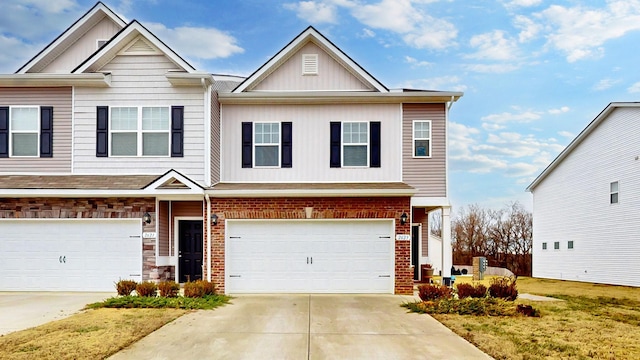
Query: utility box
[{"x": 480, "y": 265}]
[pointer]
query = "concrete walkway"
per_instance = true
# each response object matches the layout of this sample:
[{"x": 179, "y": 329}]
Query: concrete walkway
[
  {"x": 23, "y": 310},
  {"x": 305, "y": 327}
]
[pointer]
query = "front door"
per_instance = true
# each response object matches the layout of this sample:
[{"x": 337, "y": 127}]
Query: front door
[
  {"x": 190, "y": 250},
  {"x": 415, "y": 258}
]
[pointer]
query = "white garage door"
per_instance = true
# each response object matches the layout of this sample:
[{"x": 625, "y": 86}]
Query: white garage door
[
  {"x": 69, "y": 255},
  {"x": 310, "y": 256}
]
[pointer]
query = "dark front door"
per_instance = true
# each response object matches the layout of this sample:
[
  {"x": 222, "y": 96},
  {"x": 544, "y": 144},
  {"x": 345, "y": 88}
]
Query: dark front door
[
  {"x": 190, "y": 250},
  {"x": 415, "y": 257}
]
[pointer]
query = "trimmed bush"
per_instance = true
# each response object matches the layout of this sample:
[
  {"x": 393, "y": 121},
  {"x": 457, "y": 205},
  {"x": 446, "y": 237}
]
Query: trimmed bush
[
  {"x": 199, "y": 288},
  {"x": 504, "y": 288},
  {"x": 125, "y": 287},
  {"x": 431, "y": 292},
  {"x": 168, "y": 288},
  {"x": 147, "y": 289},
  {"x": 468, "y": 306},
  {"x": 472, "y": 291}
]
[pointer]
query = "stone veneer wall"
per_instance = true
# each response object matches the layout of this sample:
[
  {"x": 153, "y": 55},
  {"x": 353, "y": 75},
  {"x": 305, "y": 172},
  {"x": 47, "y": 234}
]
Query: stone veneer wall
[
  {"x": 92, "y": 208},
  {"x": 323, "y": 208}
]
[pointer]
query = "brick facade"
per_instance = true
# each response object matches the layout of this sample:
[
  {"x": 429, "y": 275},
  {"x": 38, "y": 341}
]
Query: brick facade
[
  {"x": 92, "y": 208},
  {"x": 323, "y": 208}
]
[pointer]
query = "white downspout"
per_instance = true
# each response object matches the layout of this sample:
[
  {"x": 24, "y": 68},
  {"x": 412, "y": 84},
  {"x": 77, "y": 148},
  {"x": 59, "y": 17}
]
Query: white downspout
[{"x": 206, "y": 197}]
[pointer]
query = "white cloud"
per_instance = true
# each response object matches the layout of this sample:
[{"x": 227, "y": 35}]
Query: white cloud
[
  {"x": 315, "y": 12},
  {"x": 415, "y": 62},
  {"x": 635, "y": 88},
  {"x": 452, "y": 83},
  {"x": 560, "y": 110},
  {"x": 604, "y": 84},
  {"x": 505, "y": 117},
  {"x": 493, "y": 46},
  {"x": 49, "y": 6},
  {"x": 197, "y": 42},
  {"x": 522, "y": 3},
  {"x": 528, "y": 28},
  {"x": 566, "y": 134},
  {"x": 491, "y": 68},
  {"x": 366, "y": 33},
  {"x": 492, "y": 126}
]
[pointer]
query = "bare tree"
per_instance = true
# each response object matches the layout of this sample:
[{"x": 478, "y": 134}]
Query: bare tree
[{"x": 435, "y": 223}]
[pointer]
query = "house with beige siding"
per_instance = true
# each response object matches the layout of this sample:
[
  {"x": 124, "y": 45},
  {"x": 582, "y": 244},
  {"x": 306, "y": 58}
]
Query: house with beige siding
[
  {"x": 118, "y": 159},
  {"x": 585, "y": 204}
]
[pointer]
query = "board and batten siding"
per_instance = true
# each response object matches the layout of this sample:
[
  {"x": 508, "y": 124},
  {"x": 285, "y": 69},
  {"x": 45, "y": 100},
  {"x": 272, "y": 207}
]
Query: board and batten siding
[
  {"x": 427, "y": 175},
  {"x": 310, "y": 142},
  {"x": 60, "y": 99},
  {"x": 83, "y": 47},
  {"x": 572, "y": 204},
  {"x": 140, "y": 81},
  {"x": 331, "y": 75}
]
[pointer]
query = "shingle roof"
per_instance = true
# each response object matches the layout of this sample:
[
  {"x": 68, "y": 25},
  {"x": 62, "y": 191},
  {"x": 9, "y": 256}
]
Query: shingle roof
[{"x": 93, "y": 182}]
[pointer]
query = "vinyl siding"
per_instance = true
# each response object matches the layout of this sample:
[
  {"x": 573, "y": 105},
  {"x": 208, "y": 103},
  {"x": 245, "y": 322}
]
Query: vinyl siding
[
  {"x": 215, "y": 138},
  {"x": 428, "y": 175},
  {"x": 310, "y": 142},
  {"x": 140, "y": 81},
  {"x": 331, "y": 74},
  {"x": 163, "y": 229},
  {"x": 60, "y": 99},
  {"x": 572, "y": 203},
  {"x": 82, "y": 48}
]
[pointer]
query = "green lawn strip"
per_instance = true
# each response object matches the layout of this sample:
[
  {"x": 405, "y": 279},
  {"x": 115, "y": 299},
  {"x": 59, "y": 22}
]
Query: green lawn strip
[{"x": 204, "y": 303}]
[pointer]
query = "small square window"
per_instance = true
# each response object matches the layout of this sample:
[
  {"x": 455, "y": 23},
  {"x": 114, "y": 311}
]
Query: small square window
[
  {"x": 613, "y": 192},
  {"x": 544, "y": 246},
  {"x": 556, "y": 245},
  {"x": 570, "y": 244}
]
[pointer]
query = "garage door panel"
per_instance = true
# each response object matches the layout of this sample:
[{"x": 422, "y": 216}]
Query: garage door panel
[{"x": 310, "y": 256}]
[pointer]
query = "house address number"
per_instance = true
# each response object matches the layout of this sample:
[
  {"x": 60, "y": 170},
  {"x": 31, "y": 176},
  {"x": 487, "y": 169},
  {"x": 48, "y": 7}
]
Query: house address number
[
  {"x": 403, "y": 237},
  {"x": 149, "y": 235}
]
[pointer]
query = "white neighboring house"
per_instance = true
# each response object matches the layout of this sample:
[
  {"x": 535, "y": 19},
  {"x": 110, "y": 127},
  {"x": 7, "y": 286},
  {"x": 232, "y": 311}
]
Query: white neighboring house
[{"x": 586, "y": 204}]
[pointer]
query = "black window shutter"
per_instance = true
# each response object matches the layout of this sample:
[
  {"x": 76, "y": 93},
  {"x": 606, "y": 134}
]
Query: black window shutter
[
  {"x": 46, "y": 131},
  {"x": 4, "y": 132},
  {"x": 177, "y": 131},
  {"x": 287, "y": 155},
  {"x": 335, "y": 144},
  {"x": 102, "y": 131},
  {"x": 247, "y": 144},
  {"x": 374, "y": 146}
]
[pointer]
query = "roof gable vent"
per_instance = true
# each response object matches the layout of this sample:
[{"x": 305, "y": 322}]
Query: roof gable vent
[{"x": 309, "y": 64}]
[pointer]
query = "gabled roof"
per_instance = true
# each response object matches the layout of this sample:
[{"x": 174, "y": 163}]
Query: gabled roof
[
  {"x": 124, "y": 40},
  {"x": 583, "y": 135},
  {"x": 69, "y": 36},
  {"x": 310, "y": 34}
]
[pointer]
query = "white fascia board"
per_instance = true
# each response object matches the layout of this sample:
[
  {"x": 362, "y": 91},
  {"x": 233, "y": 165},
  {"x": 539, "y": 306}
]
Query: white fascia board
[
  {"x": 309, "y": 193},
  {"x": 177, "y": 78},
  {"x": 29, "y": 193},
  {"x": 332, "y": 97},
  {"x": 423, "y": 201},
  {"x": 176, "y": 175},
  {"x": 99, "y": 7},
  {"x": 124, "y": 37},
  {"x": 46, "y": 80}
]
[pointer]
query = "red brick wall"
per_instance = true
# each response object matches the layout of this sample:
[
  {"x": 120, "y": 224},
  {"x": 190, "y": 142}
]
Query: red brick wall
[
  {"x": 89, "y": 208},
  {"x": 323, "y": 208}
]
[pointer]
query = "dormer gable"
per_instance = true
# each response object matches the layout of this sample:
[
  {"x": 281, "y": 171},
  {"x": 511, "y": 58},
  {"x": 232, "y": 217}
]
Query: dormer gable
[
  {"x": 79, "y": 41},
  {"x": 310, "y": 62}
]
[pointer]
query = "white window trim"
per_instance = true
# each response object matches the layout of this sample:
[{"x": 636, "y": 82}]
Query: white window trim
[
  {"x": 309, "y": 70},
  {"x": 614, "y": 192},
  {"x": 139, "y": 133},
  {"x": 343, "y": 144},
  {"x": 413, "y": 136},
  {"x": 11, "y": 132},
  {"x": 279, "y": 144}
]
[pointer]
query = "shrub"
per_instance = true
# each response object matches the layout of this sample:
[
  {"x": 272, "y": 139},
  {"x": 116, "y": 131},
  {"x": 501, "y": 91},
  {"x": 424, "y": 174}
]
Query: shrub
[
  {"x": 472, "y": 291},
  {"x": 468, "y": 306},
  {"x": 125, "y": 287},
  {"x": 199, "y": 288},
  {"x": 434, "y": 292},
  {"x": 147, "y": 288},
  {"x": 168, "y": 288},
  {"x": 504, "y": 288}
]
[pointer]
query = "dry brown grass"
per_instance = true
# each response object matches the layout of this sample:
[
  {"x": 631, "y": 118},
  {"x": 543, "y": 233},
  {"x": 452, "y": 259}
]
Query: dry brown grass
[
  {"x": 93, "y": 334},
  {"x": 594, "y": 321}
]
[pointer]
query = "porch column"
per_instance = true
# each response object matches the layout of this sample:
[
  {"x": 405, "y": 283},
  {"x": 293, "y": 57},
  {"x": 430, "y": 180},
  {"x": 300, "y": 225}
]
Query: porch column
[{"x": 447, "y": 254}]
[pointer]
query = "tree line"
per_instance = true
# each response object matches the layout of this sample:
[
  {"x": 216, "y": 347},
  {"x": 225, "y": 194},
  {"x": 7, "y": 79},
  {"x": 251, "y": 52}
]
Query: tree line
[{"x": 504, "y": 237}]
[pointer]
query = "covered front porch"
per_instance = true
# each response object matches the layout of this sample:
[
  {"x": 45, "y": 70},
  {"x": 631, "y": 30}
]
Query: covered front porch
[{"x": 431, "y": 237}]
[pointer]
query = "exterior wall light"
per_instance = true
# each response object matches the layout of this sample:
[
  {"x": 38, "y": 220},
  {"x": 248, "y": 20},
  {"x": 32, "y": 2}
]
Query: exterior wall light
[
  {"x": 214, "y": 219},
  {"x": 146, "y": 218},
  {"x": 403, "y": 218}
]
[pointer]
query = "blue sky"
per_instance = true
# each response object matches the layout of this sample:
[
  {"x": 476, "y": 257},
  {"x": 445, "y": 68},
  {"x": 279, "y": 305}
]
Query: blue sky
[{"x": 534, "y": 72}]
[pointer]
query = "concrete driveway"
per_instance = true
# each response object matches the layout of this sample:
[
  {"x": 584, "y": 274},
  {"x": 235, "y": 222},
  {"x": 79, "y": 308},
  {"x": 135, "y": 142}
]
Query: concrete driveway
[
  {"x": 23, "y": 310},
  {"x": 305, "y": 327}
]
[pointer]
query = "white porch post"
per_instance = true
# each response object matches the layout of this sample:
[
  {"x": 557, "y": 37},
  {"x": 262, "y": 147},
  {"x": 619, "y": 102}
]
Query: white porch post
[{"x": 447, "y": 254}]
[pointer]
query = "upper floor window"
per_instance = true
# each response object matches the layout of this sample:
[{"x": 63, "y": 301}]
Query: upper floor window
[
  {"x": 267, "y": 144},
  {"x": 140, "y": 131},
  {"x": 422, "y": 138},
  {"x": 556, "y": 245},
  {"x": 355, "y": 144},
  {"x": 544, "y": 246},
  {"x": 570, "y": 244},
  {"x": 26, "y": 131},
  {"x": 613, "y": 192}
]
